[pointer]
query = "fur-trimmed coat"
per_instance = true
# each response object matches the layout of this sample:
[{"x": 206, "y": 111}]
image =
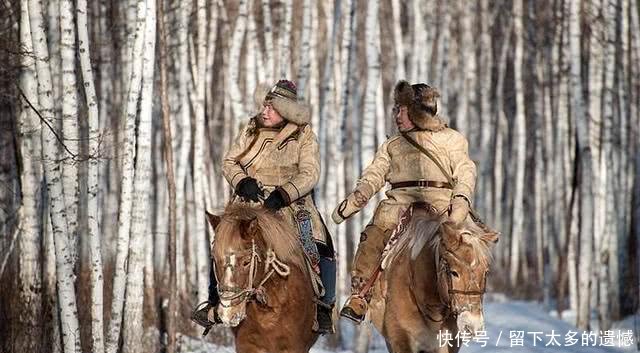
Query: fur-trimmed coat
[
  {"x": 293, "y": 166},
  {"x": 397, "y": 161}
]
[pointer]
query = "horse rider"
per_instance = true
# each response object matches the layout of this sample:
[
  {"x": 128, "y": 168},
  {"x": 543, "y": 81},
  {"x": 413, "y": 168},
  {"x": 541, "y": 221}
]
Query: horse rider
[
  {"x": 277, "y": 152},
  {"x": 414, "y": 177}
]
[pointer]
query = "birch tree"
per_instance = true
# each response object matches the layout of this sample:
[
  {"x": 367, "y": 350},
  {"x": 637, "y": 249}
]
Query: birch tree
[
  {"x": 29, "y": 237},
  {"x": 168, "y": 154},
  {"x": 132, "y": 332},
  {"x": 519, "y": 143},
  {"x": 126, "y": 193},
  {"x": 53, "y": 175},
  {"x": 70, "y": 128},
  {"x": 95, "y": 254},
  {"x": 585, "y": 167},
  {"x": 200, "y": 235},
  {"x": 235, "y": 97}
]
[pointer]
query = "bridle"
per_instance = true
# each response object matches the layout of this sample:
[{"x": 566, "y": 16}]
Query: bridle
[
  {"x": 447, "y": 305},
  {"x": 233, "y": 296},
  {"x": 444, "y": 269}
]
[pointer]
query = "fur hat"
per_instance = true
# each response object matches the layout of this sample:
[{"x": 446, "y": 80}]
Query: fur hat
[
  {"x": 422, "y": 103},
  {"x": 284, "y": 98}
]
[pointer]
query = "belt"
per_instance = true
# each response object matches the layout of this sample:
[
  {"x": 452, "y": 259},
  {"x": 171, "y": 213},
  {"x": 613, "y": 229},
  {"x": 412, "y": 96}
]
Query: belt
[{"x": 421, "y": 183}]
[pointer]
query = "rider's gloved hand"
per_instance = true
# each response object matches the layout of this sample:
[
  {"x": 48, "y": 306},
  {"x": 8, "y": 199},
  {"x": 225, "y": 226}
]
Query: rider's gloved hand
[
  {"x": 459, "y": 210},
  {"x": 276, "y": 200},
  {"x": 248, "y": 189}
]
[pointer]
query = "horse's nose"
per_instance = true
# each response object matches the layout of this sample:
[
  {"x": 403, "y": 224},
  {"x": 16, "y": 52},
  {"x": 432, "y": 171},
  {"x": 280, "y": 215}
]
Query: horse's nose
[{"x": 470, "y": 322}]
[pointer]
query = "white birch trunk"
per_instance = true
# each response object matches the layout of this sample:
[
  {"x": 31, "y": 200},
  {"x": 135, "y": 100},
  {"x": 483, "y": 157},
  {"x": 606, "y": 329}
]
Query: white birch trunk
[
  {"x": 183, "y": 135},
  {"x": 398, "y": 45},
  {"x": 419, "y": 42},
  {"x": 132, "y": 332},
  {"x": 126, "y": 192},
  {"x": 233, "y": 72},
  {"x": 484, "y": 201},
  {"x": 95, "y": 255},
  {"x": 29, "y": 239},
  {"x": 268, "y": 41},
  {"x": 368, "y": 134},
  {"x": 53, "y": 175},
  {"x": 443, "y": 56},
  {"x": 305, "y": 50},
  {"x": 284, "y": 46},
  {"x": 586, "y": 165},
  {"x": 52, "y": 313},
  {"x": 252, "y": 65},
  {"x": 519, "y": 143},
  {"x": 373, "y": 77},
  {"x": 199, "y": 232},
  {"x": 53, "y": 40},
  {"x": 468, "y": 68},
  {"x": 70, "y": 128},
  {"x": 315, "y": 71}
]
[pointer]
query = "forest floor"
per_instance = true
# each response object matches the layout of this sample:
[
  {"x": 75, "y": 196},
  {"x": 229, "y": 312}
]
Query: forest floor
[{"x": 511, "y": 326}]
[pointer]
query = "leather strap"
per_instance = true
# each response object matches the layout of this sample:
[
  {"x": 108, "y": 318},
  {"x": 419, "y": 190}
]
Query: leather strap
[
  {"x": 452, "y": 181},
  {"x": 422, "y": 183},
  {"x": 426, "y": 152}
]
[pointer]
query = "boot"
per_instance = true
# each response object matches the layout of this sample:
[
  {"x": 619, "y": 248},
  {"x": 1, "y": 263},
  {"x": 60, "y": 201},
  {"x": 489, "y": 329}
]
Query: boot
[
  {"x": 325, "y": 319},
  {"x": 355, "y": 309},
  {"x": 206, "y": 315}
]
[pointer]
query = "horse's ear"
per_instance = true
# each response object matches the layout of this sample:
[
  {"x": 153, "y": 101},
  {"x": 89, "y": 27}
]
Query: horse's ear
[
  {"x": 249, "y": 227},
  {"x": 491, "y": 237},
  {"x": 450, "y": 233},
  {"x": 213, "y": 219}
]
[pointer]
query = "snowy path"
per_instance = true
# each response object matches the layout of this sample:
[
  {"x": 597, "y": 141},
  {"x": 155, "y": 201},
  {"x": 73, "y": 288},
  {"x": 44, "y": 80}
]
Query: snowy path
[{"x": 502, "y": 319}]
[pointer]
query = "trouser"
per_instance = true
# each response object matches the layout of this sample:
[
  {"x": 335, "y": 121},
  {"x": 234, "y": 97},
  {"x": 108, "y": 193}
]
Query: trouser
[
  {"x": 372, "y": 241},
  {"x": 327, "y": 271}
]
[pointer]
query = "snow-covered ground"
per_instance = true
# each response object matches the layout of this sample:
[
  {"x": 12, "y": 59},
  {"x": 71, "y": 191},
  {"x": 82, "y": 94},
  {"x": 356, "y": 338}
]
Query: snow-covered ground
[{"x": 511, "y": 326}]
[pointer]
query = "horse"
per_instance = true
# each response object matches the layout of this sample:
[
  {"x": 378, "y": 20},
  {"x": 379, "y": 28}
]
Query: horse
[
  {"x": 266, "y": 295},
  {"x": 432, "y": 289}
]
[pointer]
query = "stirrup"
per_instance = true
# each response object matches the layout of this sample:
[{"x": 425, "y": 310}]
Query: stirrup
[{"x": 349, "y": 312}]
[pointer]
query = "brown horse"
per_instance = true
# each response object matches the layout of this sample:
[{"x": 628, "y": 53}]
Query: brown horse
[
  {"x": 434, "y": 285},
  {"x": 265, "y": 291}
]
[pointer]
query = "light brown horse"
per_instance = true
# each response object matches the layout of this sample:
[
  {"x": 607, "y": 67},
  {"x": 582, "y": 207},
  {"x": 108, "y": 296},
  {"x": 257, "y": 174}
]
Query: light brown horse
[
  {"x": 435, "y": 284},
  {"x": 263, "y": 281}
]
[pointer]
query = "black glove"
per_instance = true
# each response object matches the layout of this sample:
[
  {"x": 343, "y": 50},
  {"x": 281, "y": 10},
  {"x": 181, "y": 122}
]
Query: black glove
[
  {"x": 275, "y": 201},
  {"x": 248, "y": 189}
]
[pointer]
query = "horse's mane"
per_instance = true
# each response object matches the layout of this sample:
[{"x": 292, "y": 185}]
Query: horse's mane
[
  {"x": 276, "y": 233},
  {"x": 424, "y": 225}
]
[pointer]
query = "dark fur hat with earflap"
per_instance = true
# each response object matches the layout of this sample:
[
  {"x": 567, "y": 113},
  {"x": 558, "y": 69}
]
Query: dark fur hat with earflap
[{"x": 421, "y": 101}]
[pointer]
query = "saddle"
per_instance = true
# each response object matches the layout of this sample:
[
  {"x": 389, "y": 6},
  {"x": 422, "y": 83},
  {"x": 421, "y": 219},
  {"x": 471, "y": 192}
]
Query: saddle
[{"x": 398, "y": 242}]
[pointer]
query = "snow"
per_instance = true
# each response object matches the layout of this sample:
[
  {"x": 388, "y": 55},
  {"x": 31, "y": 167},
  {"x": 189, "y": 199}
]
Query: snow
[{"x": 503, "y": 317}]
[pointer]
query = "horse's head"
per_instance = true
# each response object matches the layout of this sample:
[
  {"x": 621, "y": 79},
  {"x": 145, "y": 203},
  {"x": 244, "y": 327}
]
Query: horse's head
[
  {"x": 463, "y": 265},
  {"x": 236, "y": 257},
  {"x": 250, "y": 246}
]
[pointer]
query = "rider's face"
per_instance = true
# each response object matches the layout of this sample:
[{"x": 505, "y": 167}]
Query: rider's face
[
  {"x": 402, "y": 118},
  {"x": 270, "y": 116}
]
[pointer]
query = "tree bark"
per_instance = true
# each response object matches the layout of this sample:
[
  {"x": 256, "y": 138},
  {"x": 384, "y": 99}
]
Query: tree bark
[
  {"x": 52, "y": 174},
  {"x": 95, "y": 254},
  {"x": 126, "y": 193}
]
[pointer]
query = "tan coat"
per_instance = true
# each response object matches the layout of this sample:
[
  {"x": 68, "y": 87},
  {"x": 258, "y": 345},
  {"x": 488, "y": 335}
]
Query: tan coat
[
  {"x": 293, "y": 165},
  {"x": 397, "y": 161}
]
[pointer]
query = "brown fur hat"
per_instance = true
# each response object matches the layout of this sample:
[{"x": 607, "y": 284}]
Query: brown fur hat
[
  {"x": 283, "y": 97},
  {"x": 422, "y": 103}
]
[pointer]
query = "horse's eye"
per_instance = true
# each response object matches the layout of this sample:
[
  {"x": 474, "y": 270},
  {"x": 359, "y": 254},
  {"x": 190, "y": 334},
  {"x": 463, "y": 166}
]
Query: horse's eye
[
  {"x": 246, "y": 263},
  {"x": 455, "y": 274}
]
